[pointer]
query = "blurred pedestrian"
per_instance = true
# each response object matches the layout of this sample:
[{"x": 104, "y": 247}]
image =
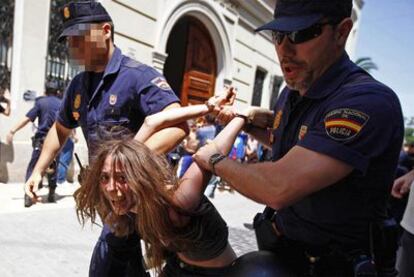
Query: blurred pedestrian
[
  {"x": 404, "y": 186},
  {"x": 65, "y": 158},
  {"x": 44, "y": 110}
]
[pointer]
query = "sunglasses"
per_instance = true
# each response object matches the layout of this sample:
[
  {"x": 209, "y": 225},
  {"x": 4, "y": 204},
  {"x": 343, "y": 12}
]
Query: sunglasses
[{"x": 300, "y": 36}]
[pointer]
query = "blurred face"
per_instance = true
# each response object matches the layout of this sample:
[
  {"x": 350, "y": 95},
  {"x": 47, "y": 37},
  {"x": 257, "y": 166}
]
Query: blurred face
[
  {"x": 90, "y": 49},
  {"x": 303, "y": 63},
  {"x": 115, "y": 187}
]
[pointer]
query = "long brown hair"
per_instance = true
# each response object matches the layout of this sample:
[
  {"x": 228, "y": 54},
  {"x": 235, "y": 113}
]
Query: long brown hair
[{"x": 152, "y": 184}]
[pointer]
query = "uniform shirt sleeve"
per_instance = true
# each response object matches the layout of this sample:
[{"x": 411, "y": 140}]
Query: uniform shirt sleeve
[
  {"x": 64, "y": 114},
  {"x": 34, "y": 112},
  {"x": 356, "y": 129},
  {"x": 154, "y": 92}
]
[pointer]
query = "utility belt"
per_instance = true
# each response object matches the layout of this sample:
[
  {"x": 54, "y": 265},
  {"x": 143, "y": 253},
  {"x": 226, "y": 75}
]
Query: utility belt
[{"x": 378, "y": 259}]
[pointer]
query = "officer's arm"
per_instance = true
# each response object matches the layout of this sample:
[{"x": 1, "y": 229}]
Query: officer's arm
[
  {"x": 167, "y": 139},
  {"x": 279, "y": 184},
  {"x": 16, "y": 128}
]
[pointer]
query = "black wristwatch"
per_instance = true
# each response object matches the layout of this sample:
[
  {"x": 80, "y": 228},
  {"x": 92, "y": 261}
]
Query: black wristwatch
[{"x": 214, "y": 159}]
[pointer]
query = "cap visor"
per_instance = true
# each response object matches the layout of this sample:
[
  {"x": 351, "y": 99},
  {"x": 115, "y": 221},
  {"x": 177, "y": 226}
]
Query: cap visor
[
  {"x": 291, "y": 23},
  {"x": 74, "y": 30}
]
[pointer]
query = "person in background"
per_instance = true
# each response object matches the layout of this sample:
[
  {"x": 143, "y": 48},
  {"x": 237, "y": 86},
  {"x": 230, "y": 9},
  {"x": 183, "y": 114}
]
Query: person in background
[
  {"x": 65, "y": 158},
  {"x": 44, "y": 110},
  {"x": 402, "y": 187}
]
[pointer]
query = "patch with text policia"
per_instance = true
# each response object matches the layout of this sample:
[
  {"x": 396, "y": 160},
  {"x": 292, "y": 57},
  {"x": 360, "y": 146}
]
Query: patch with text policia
[{"x": 344, "y": 124}]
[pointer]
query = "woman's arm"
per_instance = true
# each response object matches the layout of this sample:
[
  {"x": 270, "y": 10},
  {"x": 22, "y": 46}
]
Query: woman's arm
[
  {"x": 195, "y": 180},
  {"x": 168, "y": 118}
]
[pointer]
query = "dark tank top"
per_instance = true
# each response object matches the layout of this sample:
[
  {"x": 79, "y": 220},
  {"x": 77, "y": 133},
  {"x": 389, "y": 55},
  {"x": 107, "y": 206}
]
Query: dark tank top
[{"x": 207, "y": 231}]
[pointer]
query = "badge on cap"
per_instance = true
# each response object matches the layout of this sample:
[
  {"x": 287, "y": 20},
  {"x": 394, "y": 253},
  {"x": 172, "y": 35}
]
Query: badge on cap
[
  {"x": 66, "y": 12},
  {"x": 344, "y": 124},
  {"x": 77, "y": 102},
  {"x": 112, "y": 99},
  {"x": 161, "y": 83}
]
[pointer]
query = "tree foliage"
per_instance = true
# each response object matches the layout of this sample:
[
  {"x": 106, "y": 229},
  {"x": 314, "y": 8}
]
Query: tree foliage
[{"x": 366, "y": 63}]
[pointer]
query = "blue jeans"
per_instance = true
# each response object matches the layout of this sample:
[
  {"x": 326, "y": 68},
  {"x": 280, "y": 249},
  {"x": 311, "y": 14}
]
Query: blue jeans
[
  {"x": 64, "y": 160},
  {"x": 117, "y": 256}
]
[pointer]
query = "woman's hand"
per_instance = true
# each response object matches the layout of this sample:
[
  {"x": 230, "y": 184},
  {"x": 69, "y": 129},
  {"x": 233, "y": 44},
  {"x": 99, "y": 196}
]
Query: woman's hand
[{"x": 217, "y": 102}]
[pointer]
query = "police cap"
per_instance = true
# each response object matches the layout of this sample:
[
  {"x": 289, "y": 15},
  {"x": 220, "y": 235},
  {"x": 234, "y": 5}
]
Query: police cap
[
  {"x": 295, "y": 15},
  {"x": 77, "y": 16},
  {"x": 52, "y": 87}
]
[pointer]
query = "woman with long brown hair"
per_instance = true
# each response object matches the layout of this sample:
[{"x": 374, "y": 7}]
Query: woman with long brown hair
[{"x": 177, "y": 223}]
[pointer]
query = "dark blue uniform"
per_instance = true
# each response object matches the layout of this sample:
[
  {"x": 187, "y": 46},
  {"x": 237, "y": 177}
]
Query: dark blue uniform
[
  {"x": 353, "y": 118},
  {"x": 45, "y": 109},
  {"x": 126, "y": 94}
]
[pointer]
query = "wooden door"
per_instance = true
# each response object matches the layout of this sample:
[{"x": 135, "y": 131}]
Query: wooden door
[{"x": 200, "y": 66}]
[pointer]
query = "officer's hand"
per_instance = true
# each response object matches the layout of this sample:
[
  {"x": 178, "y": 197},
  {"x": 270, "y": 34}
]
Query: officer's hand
[
  {"x": 402, "y": 185},
  {"x": 32, "y": 185},
  {"x": 202, "y": 156},
  {"x": 226, "y": 114},
  {"x": 259, "y": 117}
]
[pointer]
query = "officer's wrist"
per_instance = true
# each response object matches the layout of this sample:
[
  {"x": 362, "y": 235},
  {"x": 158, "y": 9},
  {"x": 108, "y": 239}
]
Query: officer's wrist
[{"x": 12, "y": 132}]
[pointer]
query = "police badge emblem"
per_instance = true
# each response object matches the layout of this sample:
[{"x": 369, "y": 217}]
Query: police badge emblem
[
  {"x": 66, "y": 12},
  {"x": 77, "y": 102},
  {"x": 344, "y": 124}
]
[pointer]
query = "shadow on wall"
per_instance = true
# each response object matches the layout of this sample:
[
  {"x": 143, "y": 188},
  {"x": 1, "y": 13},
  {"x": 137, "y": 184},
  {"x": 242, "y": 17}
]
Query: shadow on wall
[{"x": 6, "y": 156}]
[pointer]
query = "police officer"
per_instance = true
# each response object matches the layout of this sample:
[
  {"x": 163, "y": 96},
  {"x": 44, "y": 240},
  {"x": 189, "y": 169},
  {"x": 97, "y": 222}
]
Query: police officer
[
  {"x": 110, "y": 99},
  {"x": 336, "y": 135},
  {"x": 44, "y": 109}
]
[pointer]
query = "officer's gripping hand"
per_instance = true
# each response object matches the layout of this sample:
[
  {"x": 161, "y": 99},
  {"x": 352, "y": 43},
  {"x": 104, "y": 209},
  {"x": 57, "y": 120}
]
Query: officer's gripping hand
[
  {"x": 402, "y": 185},
  {"x": 202, "y": 156},
  {"x": 258, "y": 117},
  {"x": 32, "y": 185}
]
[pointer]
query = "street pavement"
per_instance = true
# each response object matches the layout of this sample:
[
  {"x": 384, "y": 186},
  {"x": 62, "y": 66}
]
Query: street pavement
[{"x": 47, "y": 240}]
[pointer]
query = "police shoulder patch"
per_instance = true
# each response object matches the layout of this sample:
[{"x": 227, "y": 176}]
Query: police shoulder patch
[
  {"x": 344, "y": 124},
  {"x": 161, "y": 83}
]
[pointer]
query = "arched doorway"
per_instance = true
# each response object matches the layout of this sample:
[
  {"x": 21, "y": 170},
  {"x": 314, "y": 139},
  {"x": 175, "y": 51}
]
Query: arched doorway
[{"x": 191, "y": 66}]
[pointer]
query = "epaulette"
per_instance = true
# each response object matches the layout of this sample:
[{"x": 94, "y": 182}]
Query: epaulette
[{"x": 132, "y": 63}]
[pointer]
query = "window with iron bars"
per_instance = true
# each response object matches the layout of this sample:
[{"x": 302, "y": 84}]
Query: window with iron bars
[
  {"x": 6, "y": 42},
  {"x": 58, "y": 68}
]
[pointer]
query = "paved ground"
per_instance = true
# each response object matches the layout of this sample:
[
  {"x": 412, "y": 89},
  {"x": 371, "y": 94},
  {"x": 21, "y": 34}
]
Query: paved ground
[{"x": 47, "y": 240}]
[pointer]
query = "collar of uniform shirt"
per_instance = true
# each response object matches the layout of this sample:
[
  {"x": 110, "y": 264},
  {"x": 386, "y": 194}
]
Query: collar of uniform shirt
[{"x": 331, "y": 79}]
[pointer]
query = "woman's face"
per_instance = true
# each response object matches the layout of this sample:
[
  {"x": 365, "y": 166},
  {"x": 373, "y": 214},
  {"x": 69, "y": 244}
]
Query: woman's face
[{"x": 115, "y": 187}]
